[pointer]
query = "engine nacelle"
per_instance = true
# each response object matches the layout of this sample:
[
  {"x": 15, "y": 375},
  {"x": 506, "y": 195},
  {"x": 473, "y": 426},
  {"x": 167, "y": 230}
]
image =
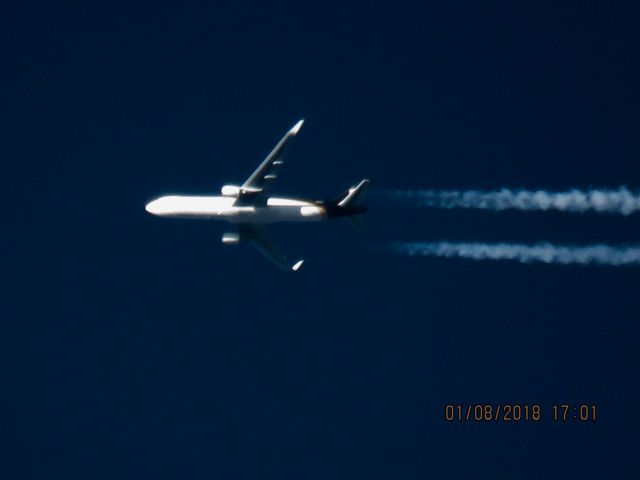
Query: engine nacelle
[
  {"x": 230, "y": 238},
  {"x": 230, "y": 190}
]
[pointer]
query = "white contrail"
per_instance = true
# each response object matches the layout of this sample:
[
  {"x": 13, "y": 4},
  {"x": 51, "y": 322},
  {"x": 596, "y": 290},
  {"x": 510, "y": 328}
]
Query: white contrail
[
  {"x": 597, "y": 254},
  {"x": 620, "y": 201}
]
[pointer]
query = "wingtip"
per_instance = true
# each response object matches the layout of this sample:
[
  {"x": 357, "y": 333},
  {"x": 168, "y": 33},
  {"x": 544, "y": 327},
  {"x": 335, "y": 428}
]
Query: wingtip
[
  {"x": 296, "y": 128},
  {"x": 297, "y": 265}
]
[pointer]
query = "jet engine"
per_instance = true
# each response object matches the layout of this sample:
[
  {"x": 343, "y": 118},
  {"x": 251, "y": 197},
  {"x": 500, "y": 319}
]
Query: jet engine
[
  {"x": 230, "y": 238},
  {"x": 230, "y": 190}
]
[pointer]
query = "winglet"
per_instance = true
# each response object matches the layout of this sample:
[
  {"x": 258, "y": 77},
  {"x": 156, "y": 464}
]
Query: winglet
[
  {"x": 296, "y": 128},
  {"x": 297, "y": 265}
]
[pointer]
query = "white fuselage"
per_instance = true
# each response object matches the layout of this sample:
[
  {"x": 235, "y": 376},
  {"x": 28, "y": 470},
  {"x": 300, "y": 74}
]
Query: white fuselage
[{"x": 225, "y": 208}]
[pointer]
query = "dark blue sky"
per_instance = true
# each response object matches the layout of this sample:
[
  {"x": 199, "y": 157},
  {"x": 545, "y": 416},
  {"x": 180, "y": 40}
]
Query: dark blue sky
[{"x": 136, "y": 347}]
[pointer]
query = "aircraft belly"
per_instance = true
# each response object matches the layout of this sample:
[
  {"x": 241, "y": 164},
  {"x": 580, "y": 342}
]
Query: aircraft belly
[{"x": 271, "y": 214}]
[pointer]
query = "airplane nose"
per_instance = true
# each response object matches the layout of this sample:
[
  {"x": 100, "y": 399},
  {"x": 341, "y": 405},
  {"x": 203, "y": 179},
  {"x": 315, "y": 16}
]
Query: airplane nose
[
  {"x": 152, "y": 207},
  {"x": 161, "y": 206}
]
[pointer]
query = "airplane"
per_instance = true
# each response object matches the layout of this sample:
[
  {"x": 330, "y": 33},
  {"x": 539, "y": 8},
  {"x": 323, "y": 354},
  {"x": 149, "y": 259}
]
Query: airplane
[{"x": 250, "y": 207}]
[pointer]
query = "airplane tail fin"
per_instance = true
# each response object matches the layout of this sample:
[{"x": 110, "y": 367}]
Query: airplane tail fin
[
  {"x": 354, "y": 197},
  {"x": 349, "y": 204}
]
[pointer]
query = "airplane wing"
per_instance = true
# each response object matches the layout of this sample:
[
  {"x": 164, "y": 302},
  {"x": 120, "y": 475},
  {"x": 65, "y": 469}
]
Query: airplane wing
[
  {"x": 266, "y": 172},
  {"x": 263, "y": 242}
]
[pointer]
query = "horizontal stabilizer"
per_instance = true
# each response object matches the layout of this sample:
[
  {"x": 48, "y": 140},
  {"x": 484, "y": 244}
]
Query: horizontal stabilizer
[{"x": 357, "y": 222}]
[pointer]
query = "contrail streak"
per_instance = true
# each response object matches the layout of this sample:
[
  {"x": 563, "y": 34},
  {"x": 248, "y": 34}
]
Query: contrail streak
[
  {"x": 597, "y": 254},
  {"x": 620, "y": 201}
]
